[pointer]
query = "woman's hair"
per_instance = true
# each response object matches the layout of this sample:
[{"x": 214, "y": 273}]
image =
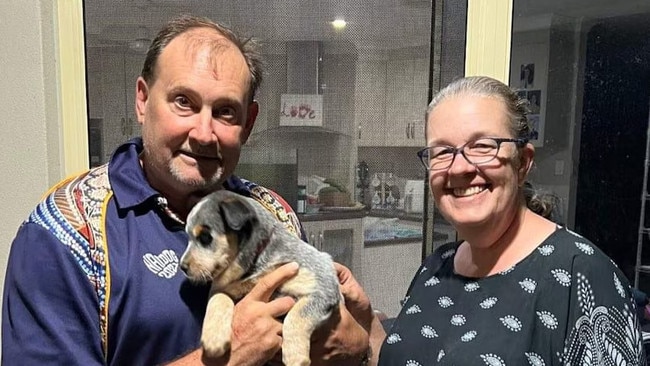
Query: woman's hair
[
  {"x": 179, "y": 25},
  {"x": 543, "y": 204}
]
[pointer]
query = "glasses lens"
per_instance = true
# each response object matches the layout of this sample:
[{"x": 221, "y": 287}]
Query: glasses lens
[
  {"x": 481, "y": 151},
  {"x": 441, "y": 157}
]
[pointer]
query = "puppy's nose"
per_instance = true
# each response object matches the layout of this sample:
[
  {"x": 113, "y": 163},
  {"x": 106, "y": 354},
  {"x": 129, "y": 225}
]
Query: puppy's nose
[{"x": 185, "y": 267}]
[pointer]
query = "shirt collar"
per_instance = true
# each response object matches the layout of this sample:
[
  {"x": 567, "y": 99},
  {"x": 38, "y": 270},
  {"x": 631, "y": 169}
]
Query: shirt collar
[{"x": 130, "y": 185}]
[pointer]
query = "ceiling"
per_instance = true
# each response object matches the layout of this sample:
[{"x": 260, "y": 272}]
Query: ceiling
[{"x": 372, "y": 24}]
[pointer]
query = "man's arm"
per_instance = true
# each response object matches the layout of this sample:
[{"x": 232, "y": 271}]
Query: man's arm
[{"x": 49, "y": 313}]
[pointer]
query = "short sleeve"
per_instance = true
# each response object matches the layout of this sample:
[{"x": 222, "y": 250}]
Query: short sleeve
[
  {"x": 50, "y": 310},
  {"x": 602, "y": 320}
]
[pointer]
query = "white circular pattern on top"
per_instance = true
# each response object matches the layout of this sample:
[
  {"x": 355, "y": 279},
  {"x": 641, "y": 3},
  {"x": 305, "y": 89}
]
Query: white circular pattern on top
[
  {"x": 562, "y": 276},
  {"x": 458, "y": 320},
  {"x": 445, "y": 302}
]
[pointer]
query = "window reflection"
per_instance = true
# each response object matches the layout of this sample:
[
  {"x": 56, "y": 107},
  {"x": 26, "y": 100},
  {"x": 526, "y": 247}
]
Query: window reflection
[{"x": 584, "y": 66}]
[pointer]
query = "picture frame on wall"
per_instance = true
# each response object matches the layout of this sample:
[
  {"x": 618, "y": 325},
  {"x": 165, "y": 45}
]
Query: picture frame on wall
[{"x": 535, "y": 115}]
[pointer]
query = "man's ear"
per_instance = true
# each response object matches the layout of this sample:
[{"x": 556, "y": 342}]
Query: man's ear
[
  {"x": 526, "y": 158},
  {"x": 141, "y": 97},
  {"x": 251, "y": 116}
]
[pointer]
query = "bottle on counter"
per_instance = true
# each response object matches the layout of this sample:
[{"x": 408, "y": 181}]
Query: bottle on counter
[{"x": 301, "y": 206}]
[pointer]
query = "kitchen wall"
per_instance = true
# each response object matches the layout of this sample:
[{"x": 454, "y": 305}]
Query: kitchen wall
[{"x": 553, "y": 47}]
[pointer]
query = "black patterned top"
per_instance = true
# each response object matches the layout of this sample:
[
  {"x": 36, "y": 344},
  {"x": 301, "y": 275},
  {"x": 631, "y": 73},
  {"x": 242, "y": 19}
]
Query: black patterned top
[{"x": 566, "y": 303}]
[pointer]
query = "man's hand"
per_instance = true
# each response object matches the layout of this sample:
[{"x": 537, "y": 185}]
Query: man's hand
[
  {"x": 343, "y": 339},
  {"x": 256, "y": 330}
]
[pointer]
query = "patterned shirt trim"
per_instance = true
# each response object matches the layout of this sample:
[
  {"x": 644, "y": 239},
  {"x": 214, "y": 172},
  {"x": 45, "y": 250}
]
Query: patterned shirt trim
[
  {"x": 75, "y": 213},
  {"x": 276, "y": 205}
]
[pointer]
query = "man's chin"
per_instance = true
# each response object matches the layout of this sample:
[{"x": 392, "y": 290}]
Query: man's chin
[{"x": 200, "y": 182}]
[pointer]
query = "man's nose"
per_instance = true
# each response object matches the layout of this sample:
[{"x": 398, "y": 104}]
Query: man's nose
[{"x": 203, "y": 129}]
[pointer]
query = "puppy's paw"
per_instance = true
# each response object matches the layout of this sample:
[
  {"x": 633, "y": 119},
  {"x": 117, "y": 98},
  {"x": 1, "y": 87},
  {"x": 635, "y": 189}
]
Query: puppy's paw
[
  {"x": 215, "y": 345},
  {"x": 293, "y": 359}
]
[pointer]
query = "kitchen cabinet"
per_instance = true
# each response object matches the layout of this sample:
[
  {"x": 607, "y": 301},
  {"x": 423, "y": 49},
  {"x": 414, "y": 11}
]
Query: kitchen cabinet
[
  {"x": 406, "y": 101},
  {"x": 342, "y": 239},
  {"x": 387, "y": 272},
  {"x": 113, "y": 78},
  {"x": 370, "y": 108},
  {"x": 391, "y": 101}
]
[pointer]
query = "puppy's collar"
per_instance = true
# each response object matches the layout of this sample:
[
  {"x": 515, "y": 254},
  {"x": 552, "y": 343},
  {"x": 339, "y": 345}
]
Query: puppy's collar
[
  {"x": 263, "y": 244},
  {"x": 260, "y": 248}
]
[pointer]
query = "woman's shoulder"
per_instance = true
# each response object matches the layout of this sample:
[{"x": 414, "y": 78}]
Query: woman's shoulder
[{"x": 576, "y": 250}]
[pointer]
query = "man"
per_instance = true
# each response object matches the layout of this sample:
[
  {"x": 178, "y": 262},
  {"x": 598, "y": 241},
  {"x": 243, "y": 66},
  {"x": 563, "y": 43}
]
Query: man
[{"x": 93, "y": 273}]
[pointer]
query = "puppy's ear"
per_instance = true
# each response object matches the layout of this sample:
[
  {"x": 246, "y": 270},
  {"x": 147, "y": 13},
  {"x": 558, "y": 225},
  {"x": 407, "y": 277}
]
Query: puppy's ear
[{"x": 236, "y": 214}]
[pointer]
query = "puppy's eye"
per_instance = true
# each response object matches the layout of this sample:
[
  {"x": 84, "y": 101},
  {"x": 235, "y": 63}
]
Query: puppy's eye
[{"x": 204, "y": 237}]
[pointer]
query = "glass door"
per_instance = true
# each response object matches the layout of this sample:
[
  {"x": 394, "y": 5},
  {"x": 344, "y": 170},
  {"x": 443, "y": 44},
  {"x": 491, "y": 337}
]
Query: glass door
[
  {"x": 370, "y": 67},
  {"x": 584, "y": 67}
]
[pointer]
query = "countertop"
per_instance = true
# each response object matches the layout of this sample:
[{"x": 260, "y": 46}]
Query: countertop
[{"x": 325, "y": 215}]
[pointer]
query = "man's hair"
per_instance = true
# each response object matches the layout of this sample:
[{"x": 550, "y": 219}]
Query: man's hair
[{"x": 179, "y": 25}]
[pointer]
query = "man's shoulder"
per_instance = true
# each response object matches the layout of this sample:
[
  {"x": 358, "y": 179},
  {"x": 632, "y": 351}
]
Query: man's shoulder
[
  {"x": 71, "y": 202},
  {"x": 274, "y": 203}
]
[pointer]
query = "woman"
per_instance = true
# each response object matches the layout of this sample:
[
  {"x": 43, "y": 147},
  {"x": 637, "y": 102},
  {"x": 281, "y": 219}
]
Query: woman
[{"x": 518, "y": 289}]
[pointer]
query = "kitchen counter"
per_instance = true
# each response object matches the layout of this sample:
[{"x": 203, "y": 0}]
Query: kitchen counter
[
  {"x": 332, "y": 215},
  {"x": 409, "y": 219},
  {"x": 325, "y": 215}
]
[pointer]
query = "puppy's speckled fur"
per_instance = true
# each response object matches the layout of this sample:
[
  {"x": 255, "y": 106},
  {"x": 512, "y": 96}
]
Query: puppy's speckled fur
[{"x": 233, "y": 242}]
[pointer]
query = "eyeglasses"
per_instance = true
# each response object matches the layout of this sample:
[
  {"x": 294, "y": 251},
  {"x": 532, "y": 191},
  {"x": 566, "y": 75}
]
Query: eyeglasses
[{"x": 476, "y": 152}]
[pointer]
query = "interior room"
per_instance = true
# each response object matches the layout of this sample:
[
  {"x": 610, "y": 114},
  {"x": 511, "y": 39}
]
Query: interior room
[{"x": 583, "y": 64}]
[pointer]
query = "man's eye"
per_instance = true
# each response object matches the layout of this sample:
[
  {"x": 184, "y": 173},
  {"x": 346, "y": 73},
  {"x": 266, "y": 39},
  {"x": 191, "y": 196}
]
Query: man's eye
[
  {"x": 226, "y": 113},
  {"x": 182, "y": 101}
]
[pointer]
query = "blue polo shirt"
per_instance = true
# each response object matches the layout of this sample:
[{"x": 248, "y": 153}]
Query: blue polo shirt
[{"x": 52, "y": 292}]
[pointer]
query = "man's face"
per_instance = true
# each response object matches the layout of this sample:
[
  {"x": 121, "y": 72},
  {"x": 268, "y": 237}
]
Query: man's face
[{"x": 195, "y": 115}]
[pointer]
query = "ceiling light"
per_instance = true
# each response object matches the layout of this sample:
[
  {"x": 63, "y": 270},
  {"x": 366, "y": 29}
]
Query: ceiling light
[{"x": 339, "y": 23}]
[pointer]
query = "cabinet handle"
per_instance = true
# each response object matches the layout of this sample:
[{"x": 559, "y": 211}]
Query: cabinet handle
[
  {"x": 408, "y": 128},
  {"x": 359, "y": 132},
  {"x": 311, "y": 239},
  {"x": 412, "y": 130}
]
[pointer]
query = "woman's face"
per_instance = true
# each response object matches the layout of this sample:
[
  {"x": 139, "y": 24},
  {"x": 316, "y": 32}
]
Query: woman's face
[{"x": 485, "y": 196}]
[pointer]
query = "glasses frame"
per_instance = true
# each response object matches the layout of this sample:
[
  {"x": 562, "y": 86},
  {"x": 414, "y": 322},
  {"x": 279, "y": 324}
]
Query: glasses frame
[{"x": 424, "y": 153}]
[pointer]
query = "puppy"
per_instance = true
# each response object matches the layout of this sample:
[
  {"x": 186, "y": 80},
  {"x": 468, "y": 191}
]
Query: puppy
[{"x": 233, "y": 242}]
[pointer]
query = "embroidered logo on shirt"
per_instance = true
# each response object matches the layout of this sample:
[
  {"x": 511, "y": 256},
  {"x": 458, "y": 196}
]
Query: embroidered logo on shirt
[{"x": 164, "y": 264}]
